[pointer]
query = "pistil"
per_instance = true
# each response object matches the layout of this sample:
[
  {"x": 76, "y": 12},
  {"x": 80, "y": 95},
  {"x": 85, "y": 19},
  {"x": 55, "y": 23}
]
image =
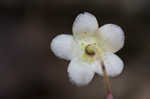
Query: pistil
[{"x": 90, "y": 50}]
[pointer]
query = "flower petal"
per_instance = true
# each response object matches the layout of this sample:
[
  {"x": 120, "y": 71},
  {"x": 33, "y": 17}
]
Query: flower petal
[
  {"x": 113, "y": 64},
  {"x": 80, "y": 72},
  {"x": 98, "y": 68},
  {"x": 111, "y": 37},
  {"x": 84, "y": 24},
  {"x": 62, "y": 46}
]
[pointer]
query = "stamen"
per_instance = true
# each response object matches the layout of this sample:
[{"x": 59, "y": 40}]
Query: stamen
[{"x": 107, "y": 82}]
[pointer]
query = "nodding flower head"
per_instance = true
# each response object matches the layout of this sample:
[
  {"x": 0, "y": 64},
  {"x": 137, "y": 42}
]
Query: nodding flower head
[{"x": 88, "y": 47}]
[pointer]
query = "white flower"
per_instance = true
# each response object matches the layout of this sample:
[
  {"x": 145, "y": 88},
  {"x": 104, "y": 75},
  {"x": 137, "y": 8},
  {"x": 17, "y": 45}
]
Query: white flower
[{"x": 88, "y": 46}]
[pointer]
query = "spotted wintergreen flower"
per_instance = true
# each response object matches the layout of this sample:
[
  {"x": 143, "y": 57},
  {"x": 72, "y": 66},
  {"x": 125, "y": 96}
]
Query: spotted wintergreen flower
[{"x": 88, "y": 48}]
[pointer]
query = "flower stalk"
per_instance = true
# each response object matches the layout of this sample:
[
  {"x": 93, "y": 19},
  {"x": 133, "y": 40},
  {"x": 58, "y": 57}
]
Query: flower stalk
[{"x": 107, "y": 82}]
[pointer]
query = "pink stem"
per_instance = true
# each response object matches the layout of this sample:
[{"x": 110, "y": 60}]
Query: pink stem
[
  {"x": 109, "y": 96},
  {"x": 107, "y": 82}
]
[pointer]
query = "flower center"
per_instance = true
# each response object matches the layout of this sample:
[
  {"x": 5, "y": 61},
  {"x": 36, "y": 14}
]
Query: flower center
[{"x": 90, "y": 50}]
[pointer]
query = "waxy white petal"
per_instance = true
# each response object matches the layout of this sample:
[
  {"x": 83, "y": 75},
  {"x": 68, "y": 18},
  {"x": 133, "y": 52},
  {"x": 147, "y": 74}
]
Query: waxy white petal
[
  {"x": 84, "y": 24},
  {"x": 113, "y": 64},
  {"x": 111, "y": 37},
  {"x": 62, "y": 46},
  {"x": 98, "y": 68},
  {"x": 80, "y": 72}
]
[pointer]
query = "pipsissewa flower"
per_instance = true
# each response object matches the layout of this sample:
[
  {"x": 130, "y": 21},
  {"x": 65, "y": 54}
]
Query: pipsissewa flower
[{"x": 89, "y": 49}]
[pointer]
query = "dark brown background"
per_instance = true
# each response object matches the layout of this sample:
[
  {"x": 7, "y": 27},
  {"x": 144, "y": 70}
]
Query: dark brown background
[{"x": 29, "y": 69}]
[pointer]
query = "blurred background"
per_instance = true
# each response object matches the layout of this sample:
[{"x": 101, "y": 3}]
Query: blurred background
[{"x": 28, "y": 68}]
